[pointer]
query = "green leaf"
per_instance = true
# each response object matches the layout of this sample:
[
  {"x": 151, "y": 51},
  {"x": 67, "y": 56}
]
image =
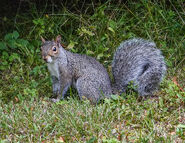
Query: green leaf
[
  {"x": 112, "y": 24},
  {"x": 111, "y": 29},
  {"x": 12, "y": 44},
  {"x": 2, "y": 46},
  {"x": 83, "y": 31},
  {"x": 13, "y": 57},
  {"x": 115, "y": 97},
  {"x": 36, "y": 43},
  {"x": 71, "y": 44},
  {"x": 8, "y": 36},
  {"x": 100, "y": 56},
  {"x": 105, "y": 49},
  {"x": 89, "y": 52},
  {"x": 103, "y": 38},
  {"x": 181, "y": 126},
  {"x": 15, "y": 34},
  {"x": 5, "y": 63},
  {"x": 35, "y": 22},
  {"x": 5, "y": 54},
  {"x": 22, "y": 42}
]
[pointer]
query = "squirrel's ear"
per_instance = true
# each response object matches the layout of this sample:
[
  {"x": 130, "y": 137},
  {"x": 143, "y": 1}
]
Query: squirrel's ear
[
  {"x": 43, "y": 40},
  {"x": 58, "y": 39}
]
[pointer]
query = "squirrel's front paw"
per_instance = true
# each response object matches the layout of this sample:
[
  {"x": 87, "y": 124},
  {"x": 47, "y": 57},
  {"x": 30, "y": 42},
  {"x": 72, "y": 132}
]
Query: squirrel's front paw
[{"x": 54, "y": 100}]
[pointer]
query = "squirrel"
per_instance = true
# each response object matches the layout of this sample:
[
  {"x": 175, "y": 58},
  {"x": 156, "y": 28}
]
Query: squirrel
[
  {"x": 136, "y": 60},
  {"x": 67, "y": 69}
]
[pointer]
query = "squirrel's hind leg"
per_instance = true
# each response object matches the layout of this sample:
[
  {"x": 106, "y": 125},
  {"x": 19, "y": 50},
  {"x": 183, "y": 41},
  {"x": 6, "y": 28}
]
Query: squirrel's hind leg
[{"x": 86, "y": 90}]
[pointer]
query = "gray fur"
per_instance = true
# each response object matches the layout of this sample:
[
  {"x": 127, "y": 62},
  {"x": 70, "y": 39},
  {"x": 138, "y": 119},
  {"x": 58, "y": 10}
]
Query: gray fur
[
  {"x": 139, "y": 61},
  {"x": 56, "y": 85},
  {"x": 135, "y": 60},
  {"x": 86, "y": 74}
]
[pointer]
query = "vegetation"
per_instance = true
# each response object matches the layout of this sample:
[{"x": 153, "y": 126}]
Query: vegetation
[{"x": 95, "y": 29}]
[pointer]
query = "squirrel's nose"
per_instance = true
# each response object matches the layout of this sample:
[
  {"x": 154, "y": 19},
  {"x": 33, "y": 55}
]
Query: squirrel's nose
[{"x": 44, "y": 58}]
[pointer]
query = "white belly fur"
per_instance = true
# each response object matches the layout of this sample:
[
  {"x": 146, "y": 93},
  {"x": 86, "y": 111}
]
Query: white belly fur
[{"x": 53, "y": 69}]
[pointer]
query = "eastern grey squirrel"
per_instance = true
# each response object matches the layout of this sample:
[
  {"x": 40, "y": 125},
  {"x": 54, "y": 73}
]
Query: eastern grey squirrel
[{"x": 135, "y": 60}]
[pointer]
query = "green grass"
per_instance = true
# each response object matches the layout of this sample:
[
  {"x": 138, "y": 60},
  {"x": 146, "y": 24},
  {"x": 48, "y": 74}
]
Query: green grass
[
  {"x": 125, "y": 118},
  {"x": 27, "y": 115}
]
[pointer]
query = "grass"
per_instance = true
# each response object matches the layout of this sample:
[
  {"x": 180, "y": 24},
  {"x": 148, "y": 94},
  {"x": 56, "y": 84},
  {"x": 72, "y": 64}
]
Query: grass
[
  {"x": 125, "y": 118},
  {"x": 26, "y": 113}
]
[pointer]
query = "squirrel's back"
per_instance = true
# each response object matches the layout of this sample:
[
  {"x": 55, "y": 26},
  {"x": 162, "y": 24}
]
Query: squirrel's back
[
  {"x": 138, "y": 60},
  {"x": 90, "y": 77}
]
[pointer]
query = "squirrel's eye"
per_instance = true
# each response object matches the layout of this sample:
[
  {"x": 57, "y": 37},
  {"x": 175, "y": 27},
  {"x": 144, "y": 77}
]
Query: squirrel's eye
[{"x": 54, "y": 49}]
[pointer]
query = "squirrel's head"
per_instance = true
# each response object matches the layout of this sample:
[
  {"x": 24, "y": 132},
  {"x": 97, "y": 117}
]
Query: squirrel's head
[{"x": 50, "y": 49}]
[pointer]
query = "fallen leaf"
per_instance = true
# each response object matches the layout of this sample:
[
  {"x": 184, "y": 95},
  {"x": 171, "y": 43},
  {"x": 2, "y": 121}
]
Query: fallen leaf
[
  {"x": 16, "y": 99},
  {"x": 60, "y": 140},
  {"x": 176, "y": 83},
  {"x": 172, "y": 133},
  {"x": 31, "y": 108}
]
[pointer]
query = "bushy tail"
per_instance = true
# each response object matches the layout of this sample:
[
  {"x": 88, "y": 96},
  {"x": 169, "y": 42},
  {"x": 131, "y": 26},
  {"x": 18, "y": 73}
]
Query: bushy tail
[
  {"x": 149, "y": 81},
  {"x": 138, "y": 60}
]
